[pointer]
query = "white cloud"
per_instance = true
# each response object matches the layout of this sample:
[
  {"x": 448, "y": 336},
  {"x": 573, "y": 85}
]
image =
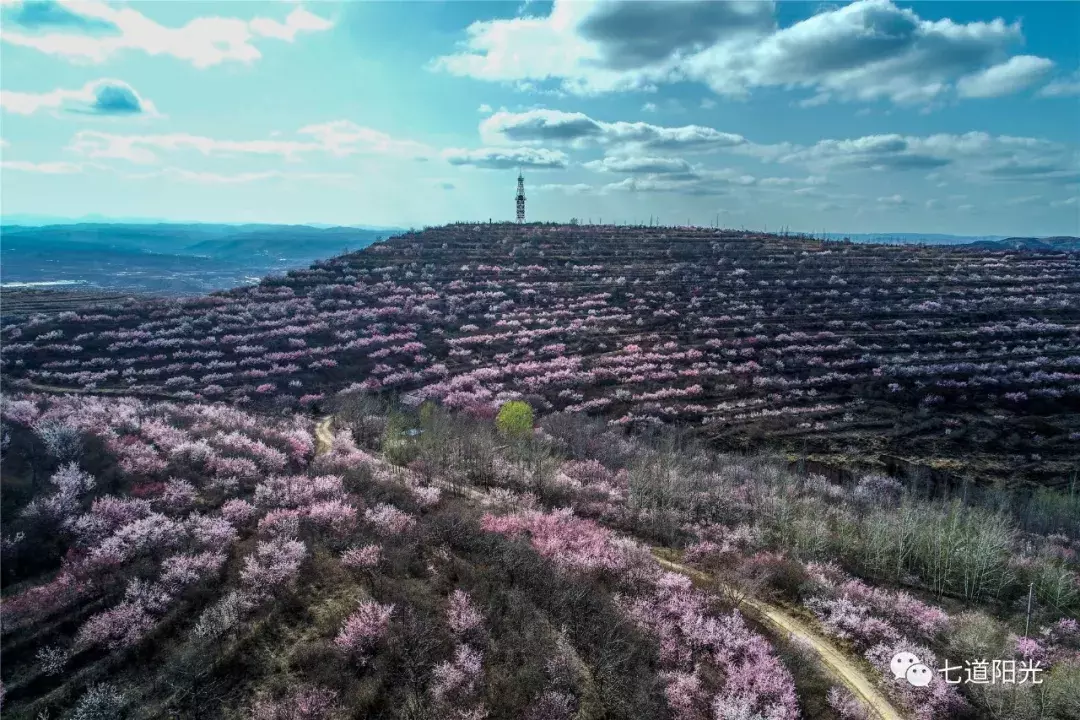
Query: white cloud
[
  {"x": 697, "y": 182},
  {"x": 100, "y": 97},
  {"x": 499, "y": 158},
  {"x": 1010, "y": 76},
  {"x": 865, "y": 51},
  {"x": 299, "y": 20},
  {"x": 541, "y": 126},
  {"x": 1062, "y": 87},
  {"x": 344, "y": 137},
  {"x": 568, "y": 188},
  {"x": 1023, "y": 200},
  {"x": 631, "y": 164},
  {"x": 211, "y": 178},
  {"x": 649, "y": 107},
  {"x": 338, "y": 138},
  {"x": 973, "y": 155},
  {"x": 203, "y": 41},
  {"x": 484, "y": 109},
  {"x": 144, "y": 148},
  {"x": 46, "y": 168}
]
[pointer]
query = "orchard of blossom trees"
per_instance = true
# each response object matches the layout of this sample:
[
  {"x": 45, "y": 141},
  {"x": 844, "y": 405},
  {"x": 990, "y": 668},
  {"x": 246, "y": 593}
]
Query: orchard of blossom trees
[
  {"x": 935, "y": 355},
  {"x": 183, "y": 537},
  {"x": 184, "y": 558},
  {"x": 193, "y": 559}
]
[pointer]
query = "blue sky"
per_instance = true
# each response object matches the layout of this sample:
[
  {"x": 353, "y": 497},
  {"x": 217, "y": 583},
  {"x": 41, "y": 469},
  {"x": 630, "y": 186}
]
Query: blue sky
[{"x": 952, "y": 117}]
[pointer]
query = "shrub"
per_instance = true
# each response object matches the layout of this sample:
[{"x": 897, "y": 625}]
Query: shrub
[
  {"x": 307, "y": 702},
  {"x": 515, "y": 419},
  {"x": 100, "y": 702}
]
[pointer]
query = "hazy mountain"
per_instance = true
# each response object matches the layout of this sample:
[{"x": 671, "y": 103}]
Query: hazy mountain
[
  {"x": 1059, "y": 242},
  {"x": 166, "y": 257},
  {"x": 33, "y": 220}
]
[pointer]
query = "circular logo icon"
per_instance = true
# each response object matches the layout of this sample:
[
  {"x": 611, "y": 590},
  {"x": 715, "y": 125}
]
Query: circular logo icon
[
  {"x": 919, "y": 675},
  {"x": 900, "y": 663}
]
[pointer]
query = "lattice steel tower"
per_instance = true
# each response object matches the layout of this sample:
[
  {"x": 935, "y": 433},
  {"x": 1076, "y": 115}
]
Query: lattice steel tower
[{"x": 520, "y": 198}]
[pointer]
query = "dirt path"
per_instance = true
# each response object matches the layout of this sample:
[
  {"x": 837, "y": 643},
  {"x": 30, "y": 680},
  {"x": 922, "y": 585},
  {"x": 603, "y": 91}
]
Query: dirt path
[
  {"x": 837, "y": 665},
  {"x": 832, "y": 659},
  {"x": 323, "y": 435}
]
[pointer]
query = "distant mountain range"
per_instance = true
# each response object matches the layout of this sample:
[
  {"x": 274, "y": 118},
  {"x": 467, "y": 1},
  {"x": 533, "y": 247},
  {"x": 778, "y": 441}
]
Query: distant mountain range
[
  {"x": 166, "y": 258},
  {"x": 32, "y": 220},
  {"x": 1058, "y": 242}
]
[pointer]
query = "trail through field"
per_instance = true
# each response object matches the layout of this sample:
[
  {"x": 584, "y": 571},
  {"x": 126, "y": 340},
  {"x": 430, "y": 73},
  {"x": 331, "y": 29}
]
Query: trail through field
[{"x": 832, "y": 659}]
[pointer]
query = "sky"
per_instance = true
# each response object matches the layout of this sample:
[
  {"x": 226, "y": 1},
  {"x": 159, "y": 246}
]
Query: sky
[{"x": 873, "y": 116}]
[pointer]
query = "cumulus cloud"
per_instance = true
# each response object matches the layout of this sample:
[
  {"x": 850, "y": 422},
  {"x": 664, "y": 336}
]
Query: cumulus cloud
[
  {"x": 973, "y": 155},
  {"x": 657, "y": 165},
  {"x": 497, "y": 158},
  {"x": 867, "y": 50},
  {"x": 1052, "y": 170},
  {"x": 1006, "y": 78},
  {"x": 99, "y": 97},
  {"x": 696, "y": 182},
  {"x": 203, "y": 41},
  {"x": 544, "y": 126},
  {"x": 632, "y": 35}
]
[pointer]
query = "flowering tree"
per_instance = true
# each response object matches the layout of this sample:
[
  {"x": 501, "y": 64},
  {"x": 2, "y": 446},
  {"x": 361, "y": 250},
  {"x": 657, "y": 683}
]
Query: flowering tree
[
  {"x": 369, "y": 624},
  {"x": 307, "y": 702},
  {"x": 462, "y": 615}
]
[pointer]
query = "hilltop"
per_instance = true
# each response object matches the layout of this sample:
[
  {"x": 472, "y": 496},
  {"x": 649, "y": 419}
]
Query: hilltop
[{"x": 945, "y": 361}]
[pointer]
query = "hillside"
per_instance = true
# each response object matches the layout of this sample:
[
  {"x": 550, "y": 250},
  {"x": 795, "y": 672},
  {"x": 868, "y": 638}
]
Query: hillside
[
  {"x": 940, "y": 363},
  {"x": 191, "y": 560}
]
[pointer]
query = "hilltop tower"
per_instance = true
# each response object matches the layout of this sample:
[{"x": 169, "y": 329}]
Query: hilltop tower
[{"x": 520, "y": 198}]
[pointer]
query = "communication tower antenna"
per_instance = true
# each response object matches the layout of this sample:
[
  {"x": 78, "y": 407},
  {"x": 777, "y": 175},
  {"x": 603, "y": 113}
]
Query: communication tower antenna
[{"x": 520, "y": 198}]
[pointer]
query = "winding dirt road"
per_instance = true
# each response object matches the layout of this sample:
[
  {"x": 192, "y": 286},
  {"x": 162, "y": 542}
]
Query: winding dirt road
[
  {"x": 833, "y": 660},
  {"x": 835, "y": 663}
]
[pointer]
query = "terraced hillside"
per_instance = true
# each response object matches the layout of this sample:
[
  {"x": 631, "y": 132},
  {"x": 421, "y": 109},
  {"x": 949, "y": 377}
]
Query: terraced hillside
[{"x": 962, "y": 361}]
